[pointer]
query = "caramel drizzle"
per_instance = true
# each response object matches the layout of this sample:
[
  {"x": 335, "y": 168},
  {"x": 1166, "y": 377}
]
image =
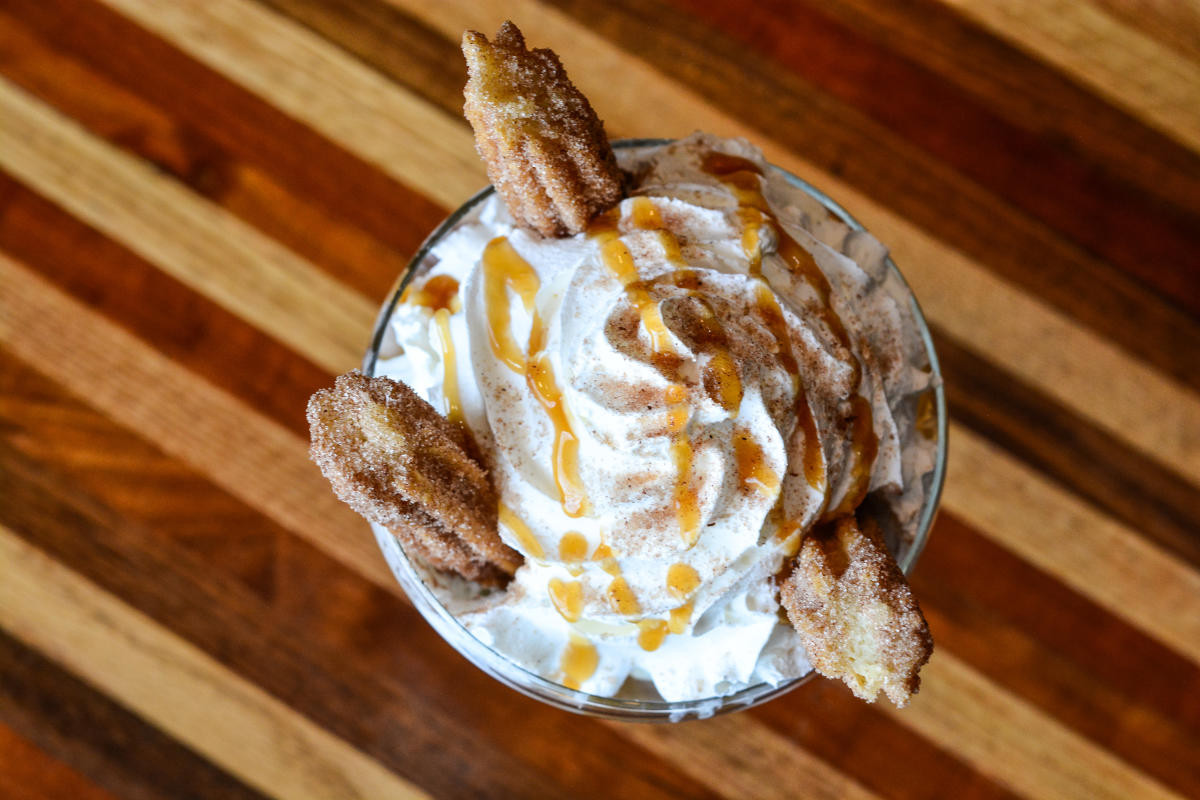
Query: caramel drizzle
[
  {"x": 529, "y": 542},
  {"x": 744, "y": 178},
  {"x": 449, "y": 367},
  {"x": 503, "y": 268},
  {"x": 619, "y": 261},
  {"x": 752, "y": 467},
  {"x": 567, "y": 597},
  {"x": 579, "y": 661},
  {"x": 439, "y": 292}
]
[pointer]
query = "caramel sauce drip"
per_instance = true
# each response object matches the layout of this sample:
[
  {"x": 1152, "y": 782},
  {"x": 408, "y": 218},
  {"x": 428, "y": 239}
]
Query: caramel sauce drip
[
  {"x": 567, "y": 597},
  {"x": 579, "y": 661},
  {"x": 651, "y": 633},
  {"x": 680, "y": 617},
  {"x": 603, "y": 554},
  {"x": 449, "y": 366},
  {"x": 866, "y": 446},
  {"x": 529, "y": 542},
  {"x": 772, "y": 315},
  {"x": 752, "y": 467},
  {"x": 926, "y": 416},
  {"x": 437, "y": 293},
  {"x": 572, "y": 547},
  {"x": 622, "y": 597},
  {"x": 503, "y": 268},
  {"x": 682, "y": 580},
  {"x": 539, "y": 376},
  {"x": 620, "y": 263},
  {"x": 744, "y": 178}
]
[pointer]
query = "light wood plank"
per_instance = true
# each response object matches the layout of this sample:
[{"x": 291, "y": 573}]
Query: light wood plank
[
  {"x": 178, "y": 687},
  {"x": 732, "y": 757},
  {"x": 1012, "y": 742},
  {"x": 1076, "y": 367},
  {"x": 1060, "y": 534},
  {"x": 314, "y": 81},
  {"x": 198, "y": 243},
  {"x": 1151, "y": 81},
  {"x": 245, "y": 453}
]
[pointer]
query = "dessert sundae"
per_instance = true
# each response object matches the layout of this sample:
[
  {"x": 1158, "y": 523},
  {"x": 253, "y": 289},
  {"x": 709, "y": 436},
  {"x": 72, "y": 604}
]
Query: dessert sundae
[{"x": 648, "y": 417}]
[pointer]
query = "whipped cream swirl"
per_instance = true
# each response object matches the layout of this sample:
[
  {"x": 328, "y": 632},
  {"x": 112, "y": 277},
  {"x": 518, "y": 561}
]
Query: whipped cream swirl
[{"x": 667, "y": 403}]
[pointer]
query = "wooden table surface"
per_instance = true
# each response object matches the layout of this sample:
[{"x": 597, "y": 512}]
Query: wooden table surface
[{"x": 203, "y": 202}]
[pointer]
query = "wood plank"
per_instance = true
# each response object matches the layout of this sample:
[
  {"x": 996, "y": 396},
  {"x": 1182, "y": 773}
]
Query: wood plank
[
  {"x": 1077, "y": 368},
  {"x": 186, "y": 327},
  {"x": 1010, "y": 741},
  {"x": 1174, "y": 24},
  {"x": 363, "y": 665},
  {"x": 186, "y": 417},
  {"x": 177, "y": 686},
  {"x": 1066, "y": 656},
  {"x": 739, "y": 770},
  {"x": 1055, "y": 531},
  {"x": 27, "y": 773},
  {"x": 1097, "y": 467},
  {"x": 335, "y": 95},
  {"x": 166, "y": 224},
  {"x": 917, "y": 140},
  {"x": 234, "y": 178},
  {"x": 1128, "y": 68},
  {"x": 91, "y": 735}
]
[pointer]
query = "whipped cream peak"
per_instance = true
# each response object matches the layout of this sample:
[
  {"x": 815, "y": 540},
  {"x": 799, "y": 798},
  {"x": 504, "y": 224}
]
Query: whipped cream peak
[{"x": 666, "y": 403}]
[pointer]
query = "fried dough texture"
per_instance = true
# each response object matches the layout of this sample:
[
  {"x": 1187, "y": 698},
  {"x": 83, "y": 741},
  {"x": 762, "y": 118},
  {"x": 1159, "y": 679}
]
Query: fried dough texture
[
  {"x": 544, "y": 146},
  {"x": 855, "y": 612},
  {"x": 395, "y": 460}
]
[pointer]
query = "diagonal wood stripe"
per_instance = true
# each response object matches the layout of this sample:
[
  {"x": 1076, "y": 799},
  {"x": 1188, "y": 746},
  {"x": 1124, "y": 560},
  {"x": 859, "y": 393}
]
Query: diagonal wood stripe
[
  {"x": 164, "y": 223},
  {"x": 28, "y": 772},
  {"x": 177, "y": 686},
  {"x": 189, "y": 419},
  {"x": 200, "y": 425},
  {"x": 1052, "y": 529},
  {"x": 996, "y": 732},
  {"x": 306, "y": 77},
  {"x": 1120, "y": 63},
  {"x": 1073, "y": 365},
  {"x": 99, "y": 363},
  {"x": 740, "y": 770},
  {"x": 81, "y": 727},
  {"x": 1173, "y": 23}
]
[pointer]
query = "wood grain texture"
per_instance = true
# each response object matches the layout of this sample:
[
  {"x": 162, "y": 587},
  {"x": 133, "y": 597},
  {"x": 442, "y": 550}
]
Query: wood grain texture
[{"x": 202, "y": 204}]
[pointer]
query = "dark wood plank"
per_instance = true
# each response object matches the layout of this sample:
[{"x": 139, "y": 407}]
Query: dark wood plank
[
  {"x": 354, "y": 658},
  {"x": 918, "y": 184},
  {"x": 148, "y": 98},
  {"x": 886, "y": 757},
  {"x": 1128, "y": 485},
  {"x": 1015, "y": 85},
  {"x": 188, "y": 328},
  {"x": 27, "y": 773},
  {"x": 1083, "y": 666},
  {"x": 78, "y": 726}
]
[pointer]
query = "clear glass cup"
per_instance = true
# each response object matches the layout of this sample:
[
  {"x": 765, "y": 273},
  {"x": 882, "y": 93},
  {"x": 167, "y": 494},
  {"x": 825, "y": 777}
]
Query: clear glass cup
[{"x": 628, "y": 708}]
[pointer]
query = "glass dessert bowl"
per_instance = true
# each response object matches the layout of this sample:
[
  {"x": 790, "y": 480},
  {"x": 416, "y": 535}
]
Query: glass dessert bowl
[{"x": 636, "y": 698}]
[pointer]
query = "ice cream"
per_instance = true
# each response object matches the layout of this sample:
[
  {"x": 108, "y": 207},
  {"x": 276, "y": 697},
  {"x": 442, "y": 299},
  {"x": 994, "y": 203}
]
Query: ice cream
[{"x": 666, "y": 404}]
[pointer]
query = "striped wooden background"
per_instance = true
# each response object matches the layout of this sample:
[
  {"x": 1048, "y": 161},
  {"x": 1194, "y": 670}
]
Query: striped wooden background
[{"x": 203, "y": 202}]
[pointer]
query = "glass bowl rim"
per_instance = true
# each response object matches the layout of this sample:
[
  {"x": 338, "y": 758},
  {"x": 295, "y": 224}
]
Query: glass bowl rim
[{"x": 545, "y": 690}]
